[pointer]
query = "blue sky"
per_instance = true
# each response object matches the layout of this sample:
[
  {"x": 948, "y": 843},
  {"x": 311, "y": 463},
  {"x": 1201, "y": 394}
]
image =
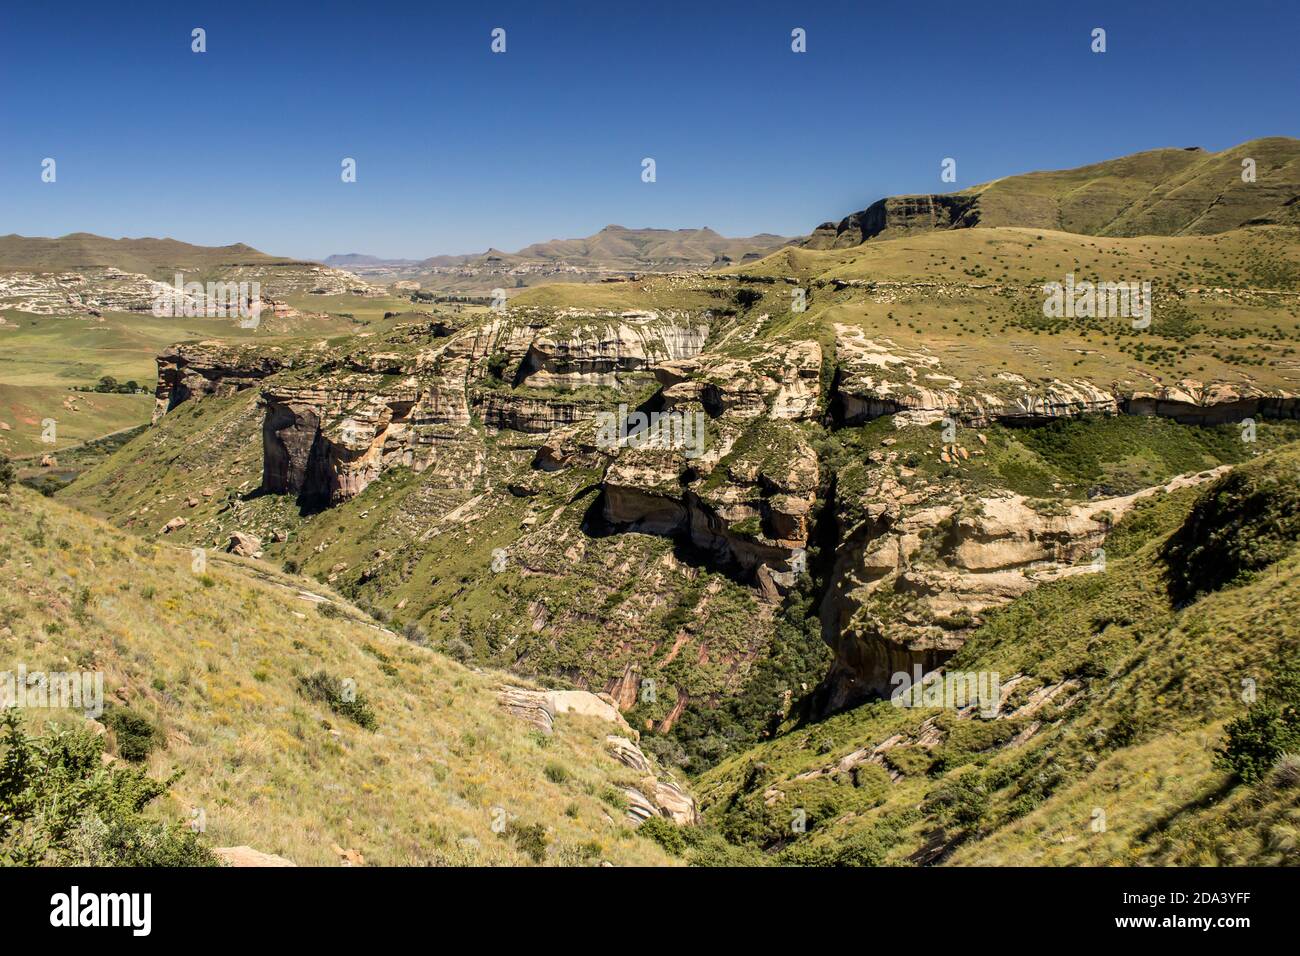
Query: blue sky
[{"x": 458, "y": 148}]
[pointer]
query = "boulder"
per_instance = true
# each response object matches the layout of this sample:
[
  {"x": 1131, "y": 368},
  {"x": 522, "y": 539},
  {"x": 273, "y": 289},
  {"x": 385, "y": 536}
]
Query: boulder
[
  {"x": 245, "y": 545},
  {"x": 247, "y": 856}
]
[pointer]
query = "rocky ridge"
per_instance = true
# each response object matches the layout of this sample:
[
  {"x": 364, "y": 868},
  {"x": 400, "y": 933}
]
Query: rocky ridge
[{"x": 908, "y": 582}]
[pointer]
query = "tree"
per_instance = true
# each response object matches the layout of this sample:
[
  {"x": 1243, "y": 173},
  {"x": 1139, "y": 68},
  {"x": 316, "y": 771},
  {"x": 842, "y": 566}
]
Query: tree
[
  {"x": 108, "y": 384},
  {"x": 6, "y": 473}
]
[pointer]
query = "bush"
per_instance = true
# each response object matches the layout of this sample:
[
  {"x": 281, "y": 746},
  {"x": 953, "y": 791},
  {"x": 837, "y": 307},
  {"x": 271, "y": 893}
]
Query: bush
[
  {"x": 529, "y": 837},
  {"x": 667, "y": 834},
  {"x": 344, "y": 700},
  {"x": 556, "y": 773},
  {"x": 136, "y": 737},
  {"x": 6, "y": 473},
  {"x": 962, "y": 801},
  {"x": 860, "y": 848},
  {"x": 497, "y": 365},
  {"x": 1270, "y": 728},
  {"x": 59, "y": 806},
  {"x": 1244, "y": 522},
  {"x": 414, "y": 633}
]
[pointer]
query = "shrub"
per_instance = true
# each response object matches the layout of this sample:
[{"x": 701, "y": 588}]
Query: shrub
[
  {"x": 962, "y": 801},
  {"x": 60, "y": 806},
  {"x": 529, "y": 837},
  {"x": 136, "y": 736},
  {"x": 6, "y": 473},
  {"x": 497, "y": 365},
  {"x": 1270, "y": 728},
  {"x": 556, "y": 773},
  {"x": 1245, "y": 521},
  {"x": 414, "y": 633},
  {"x": 667, "y": 834},
  {"x": 343, "y": 699},
  {"x": 860, "y": 848}
]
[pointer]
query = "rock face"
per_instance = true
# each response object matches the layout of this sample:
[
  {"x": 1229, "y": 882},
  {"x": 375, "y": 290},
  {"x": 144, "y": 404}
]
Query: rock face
[
  {"x": 596, "y": 355},
  {"x": 897, "y": 216},
  {"x": 328, "y": 445},
  {"x": 914, "y": 578},
  {"x": 1193, "y": 403},
  {"x": 535, "y": 416},
  {"x": 411, "y": 406},
  {"x": 211, "y": 368},
  {"x": 877, "y": 377},
  {"x": 749, "y": 506},
  {"x": 654, "y": 795},
  {"x": 326, "y": 439},
  {"x": 531, "y": 705}
]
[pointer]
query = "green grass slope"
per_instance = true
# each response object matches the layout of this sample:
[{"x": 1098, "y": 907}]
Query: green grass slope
[
  {"x": 231, "y": 673},
  {"x": 1124, "y": 741},
  {"x": 1161, "y": 192}
]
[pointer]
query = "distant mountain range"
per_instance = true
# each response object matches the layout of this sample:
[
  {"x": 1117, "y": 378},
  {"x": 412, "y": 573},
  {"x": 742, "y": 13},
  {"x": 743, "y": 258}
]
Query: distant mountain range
[
  {"x": 614, "y": 250},
  {"x": 83, "y": 273},
  {"x": 85, "y": 250}
]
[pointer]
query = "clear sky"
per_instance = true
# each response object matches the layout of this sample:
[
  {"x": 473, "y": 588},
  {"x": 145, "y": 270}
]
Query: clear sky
[{"x": 458, "y": 148}]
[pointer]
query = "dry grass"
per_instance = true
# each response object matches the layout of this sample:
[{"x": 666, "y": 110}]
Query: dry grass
[{"x": 212, "y": 658}]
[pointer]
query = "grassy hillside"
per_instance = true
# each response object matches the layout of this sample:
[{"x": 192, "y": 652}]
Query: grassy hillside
[
  {"x": 1225, "y": 306},
  {"x": 215, "y": 672},
  {"x": 152, "y": 257},
  {"x": 1105, "y": 749},
  {"x": 1161, "y": 192}
]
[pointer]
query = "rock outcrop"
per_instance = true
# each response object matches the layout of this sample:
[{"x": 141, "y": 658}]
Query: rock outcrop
[
  {"x": 246, "y": 856},
  {"x": 212, "y": 368},
  {"x": 920, "y": 571},
  {"x": 897, "y": 216},
  {"x": 878, "y": 377},
  {"x": 654, "y": 795}
]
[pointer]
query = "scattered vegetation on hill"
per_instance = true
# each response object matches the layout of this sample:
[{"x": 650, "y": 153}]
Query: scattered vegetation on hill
[{"x": 223, "y": 695}]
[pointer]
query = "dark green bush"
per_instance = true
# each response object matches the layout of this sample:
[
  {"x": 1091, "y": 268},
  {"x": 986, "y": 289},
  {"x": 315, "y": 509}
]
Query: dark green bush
[
  {"x": 333, "y": 693},
  {"x": 664, "y": 832},
  {"x": 529, "y": 837},
  {"x": 1270, "y": 728},
  {"x": 962, "y": 801},
  {"x": 60, "y": 806},
  {"x": 136, "y": 736}
]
